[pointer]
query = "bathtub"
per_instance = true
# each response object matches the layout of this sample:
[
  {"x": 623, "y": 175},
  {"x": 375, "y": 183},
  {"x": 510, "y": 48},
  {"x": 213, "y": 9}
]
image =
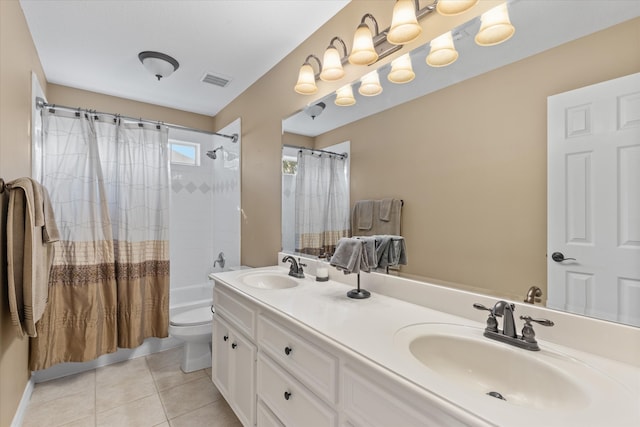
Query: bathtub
[{"x": 183, "y": 298}]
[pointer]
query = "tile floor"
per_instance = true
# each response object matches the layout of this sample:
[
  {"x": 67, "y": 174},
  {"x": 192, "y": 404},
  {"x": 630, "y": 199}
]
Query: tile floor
[{"x": 144, "y": 392}]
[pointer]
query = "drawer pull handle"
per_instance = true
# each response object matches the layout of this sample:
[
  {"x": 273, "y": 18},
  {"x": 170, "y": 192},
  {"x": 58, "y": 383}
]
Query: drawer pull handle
[
  {"x": 234, "y": 345},
  {"x": 226, "y": 337},
  {"x": 287, "y": 395},
  {"x": 288, "y": 350}
]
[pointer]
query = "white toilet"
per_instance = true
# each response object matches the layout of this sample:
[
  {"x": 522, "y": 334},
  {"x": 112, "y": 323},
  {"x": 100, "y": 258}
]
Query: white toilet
[{"x": 194, "y": 328}]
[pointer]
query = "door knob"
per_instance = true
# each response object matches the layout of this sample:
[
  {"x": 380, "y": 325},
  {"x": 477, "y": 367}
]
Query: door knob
[{"x": 559, "y": 257}]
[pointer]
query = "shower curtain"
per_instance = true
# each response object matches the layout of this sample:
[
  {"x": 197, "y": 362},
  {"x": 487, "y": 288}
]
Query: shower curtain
[
  {"x": 109, "y": 283},
  {"x": 322, "y": 202}
]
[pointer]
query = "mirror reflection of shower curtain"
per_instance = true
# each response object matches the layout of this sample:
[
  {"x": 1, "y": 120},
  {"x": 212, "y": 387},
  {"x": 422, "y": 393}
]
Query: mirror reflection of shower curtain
[
  {"x": 322, "y": 203},
  {"x": 109, "y": 283}
]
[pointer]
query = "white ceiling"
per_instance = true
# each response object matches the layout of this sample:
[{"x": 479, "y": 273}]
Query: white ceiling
[
  {"x": 94, "y": 44},
  {"x": 540, "y": 25}
]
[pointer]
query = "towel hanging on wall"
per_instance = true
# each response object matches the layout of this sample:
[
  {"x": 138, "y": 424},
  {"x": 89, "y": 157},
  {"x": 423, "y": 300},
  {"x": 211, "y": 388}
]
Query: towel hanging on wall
[{"x": 31, "y": 232}]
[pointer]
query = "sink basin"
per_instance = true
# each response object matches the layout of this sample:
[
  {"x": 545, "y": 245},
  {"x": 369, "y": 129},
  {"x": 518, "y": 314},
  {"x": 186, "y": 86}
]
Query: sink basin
[
  {"x": 271, "y": 280},
  {"x": 463, "y": 357}
]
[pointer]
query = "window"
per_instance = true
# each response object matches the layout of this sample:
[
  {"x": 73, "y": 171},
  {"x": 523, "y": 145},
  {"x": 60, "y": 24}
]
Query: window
[
  {"x": 184, "y": 153},
  {"x": 289, "y": 165}
]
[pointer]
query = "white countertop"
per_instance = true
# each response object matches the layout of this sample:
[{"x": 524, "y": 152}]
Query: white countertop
[{"x": 369, "y": 328}]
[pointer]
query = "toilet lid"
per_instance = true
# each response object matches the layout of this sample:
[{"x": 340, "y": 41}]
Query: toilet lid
[{"x": 195, "y": 316}]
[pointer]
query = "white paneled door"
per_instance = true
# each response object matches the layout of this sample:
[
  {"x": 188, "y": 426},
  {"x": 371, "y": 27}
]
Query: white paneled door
[{"x": 593, "y": 207}]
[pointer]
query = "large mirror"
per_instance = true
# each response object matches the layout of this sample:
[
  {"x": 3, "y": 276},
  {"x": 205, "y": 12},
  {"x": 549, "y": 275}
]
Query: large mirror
[{"x": 465, "y": 146}]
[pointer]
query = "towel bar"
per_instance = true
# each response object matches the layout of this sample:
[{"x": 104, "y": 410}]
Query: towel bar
[{"x": 4, "y": 185}]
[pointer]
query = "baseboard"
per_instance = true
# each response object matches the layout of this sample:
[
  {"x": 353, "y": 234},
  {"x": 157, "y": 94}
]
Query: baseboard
[
  {"x": 18, "y": 418},
  {"x": 150, "y": 346}
]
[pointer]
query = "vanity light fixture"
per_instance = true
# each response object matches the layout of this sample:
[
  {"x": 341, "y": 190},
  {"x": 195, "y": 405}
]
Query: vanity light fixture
[
  {"x": 370, "y": 84},
  {"x": 332, "y": 62},
  {"x": 454, "y": 7},
  {"x": 495, "y": 26},
  {"x": 363, "y": 51},
  {"x": 306, "y": 84},
  {"x": 443, "y": 51},
  {"x": 344, "y": 96},
  {"x": 404, "y": 22},
  {"x": 401, "y": 70},
  {"x": 158, "y": 64}
]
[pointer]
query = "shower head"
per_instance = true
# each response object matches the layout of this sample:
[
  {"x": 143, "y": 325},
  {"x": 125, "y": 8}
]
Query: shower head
[{"x": 212, "y": 154}]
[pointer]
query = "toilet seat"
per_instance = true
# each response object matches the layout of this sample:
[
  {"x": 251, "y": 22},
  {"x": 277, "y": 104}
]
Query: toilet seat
[{"x": 194, "y": 317}]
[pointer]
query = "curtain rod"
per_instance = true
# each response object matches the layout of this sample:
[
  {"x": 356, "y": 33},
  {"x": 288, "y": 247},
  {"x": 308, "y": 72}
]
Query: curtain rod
[
  {"x": 40, "y": 104},
  {"x": 343, "y": 155}
]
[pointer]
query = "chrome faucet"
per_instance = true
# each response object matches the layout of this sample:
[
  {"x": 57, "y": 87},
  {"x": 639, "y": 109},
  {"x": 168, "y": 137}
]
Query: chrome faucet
[
  {"x": 505, "y": 310},
  {"x": 508, "y": 333},
  {"x": 296, "y": 267},
  {"x": 534, "y": 295}
]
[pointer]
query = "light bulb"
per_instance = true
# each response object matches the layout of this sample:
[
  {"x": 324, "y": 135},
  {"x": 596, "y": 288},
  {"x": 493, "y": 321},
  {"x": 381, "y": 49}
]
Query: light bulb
[
  {"x": 401, "y": 70},
  {"x": 454, "y": 7},
  {"x": 363, "y": 52},
  {"x": 370, "y": 84},
  {"x": 443, "y": 52},
  {"x": 306, "y": 84},
  {"x": 344, "y": 96},
  {"x": 404, "y": 24},
  {"x": 332, "y": 65},
  {"x": 495, "y": 27}
]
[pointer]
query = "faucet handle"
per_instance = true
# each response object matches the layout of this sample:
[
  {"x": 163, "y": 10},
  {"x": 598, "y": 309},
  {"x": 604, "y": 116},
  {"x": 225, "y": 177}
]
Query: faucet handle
[
  {"x": 492, "y": 323},
  {"x": 543, "y": 322},
  {"x": 300, "y": 264},
  {"x": 481, "y": 307},
  {"x": 528, "y": 334}
]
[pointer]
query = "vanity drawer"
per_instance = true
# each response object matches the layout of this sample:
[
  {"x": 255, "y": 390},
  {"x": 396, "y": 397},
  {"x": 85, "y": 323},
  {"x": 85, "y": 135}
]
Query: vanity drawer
[
  {"x": 266, "y": 417},
  {"x": 236, "y": 311},
  {"x": 289, "y": 400},
  {"x": 307, "y": 362}
]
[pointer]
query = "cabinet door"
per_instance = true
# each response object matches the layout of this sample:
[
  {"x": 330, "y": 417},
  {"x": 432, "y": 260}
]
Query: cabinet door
[
  {"x": 243, "y": 383},
  {"x": 220, "y": 354}
]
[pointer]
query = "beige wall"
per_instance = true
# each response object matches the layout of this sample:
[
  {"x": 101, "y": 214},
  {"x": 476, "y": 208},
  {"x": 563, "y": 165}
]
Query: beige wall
[
  {"x": 298, "y": 140},
  {"x": 18, "y": 57},
  {"x": 470, "y": 163},
  {"x": 70, "y": 97}
]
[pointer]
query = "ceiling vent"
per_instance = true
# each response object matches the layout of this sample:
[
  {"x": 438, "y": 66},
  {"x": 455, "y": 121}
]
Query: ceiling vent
[{"x": 216, "y": 80}]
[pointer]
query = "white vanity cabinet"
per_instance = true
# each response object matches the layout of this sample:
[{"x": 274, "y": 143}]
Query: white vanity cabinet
[
  {"x": 297, "y": 380},
  {"x": 276, "y": 372},
  {"x": 234, "y": 354}
]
